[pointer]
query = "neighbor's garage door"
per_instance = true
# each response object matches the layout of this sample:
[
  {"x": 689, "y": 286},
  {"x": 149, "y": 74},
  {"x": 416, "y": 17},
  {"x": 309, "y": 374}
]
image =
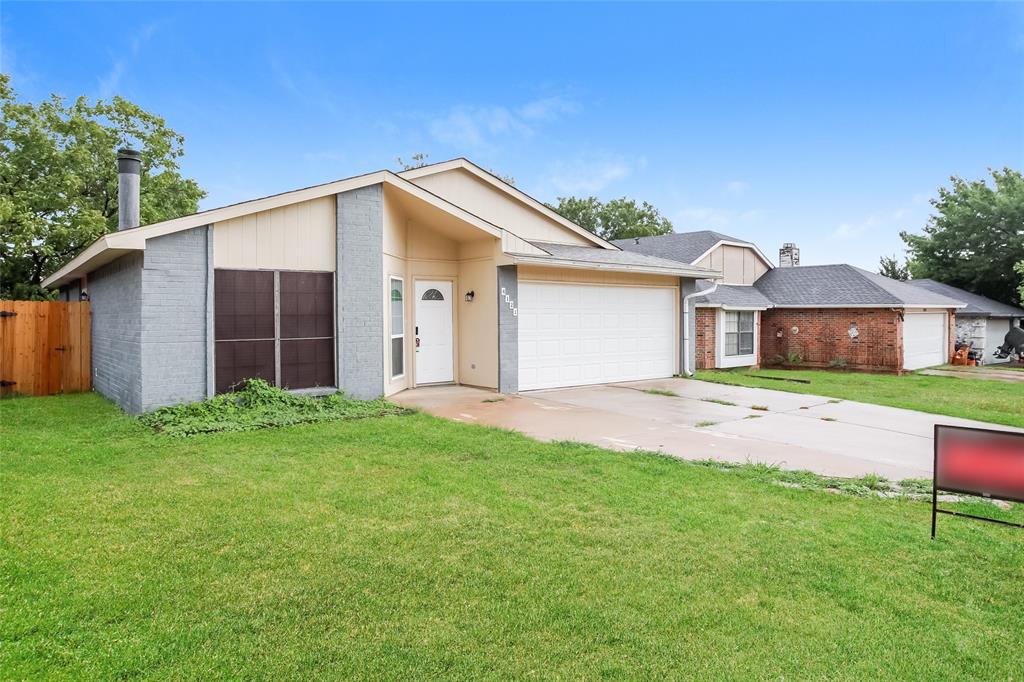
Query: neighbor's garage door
[
  {"x": 995, "y": 333},
  {"x": 924, "y": 340},
  {"x": 573, "y": 334}
]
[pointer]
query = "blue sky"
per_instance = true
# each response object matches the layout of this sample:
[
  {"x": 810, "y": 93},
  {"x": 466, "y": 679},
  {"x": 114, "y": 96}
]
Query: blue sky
[{"x": 825, "y": 124}]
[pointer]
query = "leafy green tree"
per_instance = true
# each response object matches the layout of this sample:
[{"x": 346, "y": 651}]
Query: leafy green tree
[
  {"x": 58, "y": 180},
  {"x": 1019, "y": 267},
  {"x": 889, "y": 266},
  {"x": 616, "y": 219},
  {"x": 975, "y": 237}
]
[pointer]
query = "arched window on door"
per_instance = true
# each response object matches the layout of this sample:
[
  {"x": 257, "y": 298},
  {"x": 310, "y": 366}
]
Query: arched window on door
[{"x": 432, "y": 295}]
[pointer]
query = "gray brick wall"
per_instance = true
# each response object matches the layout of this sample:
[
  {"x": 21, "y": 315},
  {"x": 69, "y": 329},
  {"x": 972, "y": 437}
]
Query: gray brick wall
[
  {"x": 361, "y": 292},
  {"x": 174, "y": 319},
  {"x": 116, "y": 331},
  {"x": 508, "y": 329}
]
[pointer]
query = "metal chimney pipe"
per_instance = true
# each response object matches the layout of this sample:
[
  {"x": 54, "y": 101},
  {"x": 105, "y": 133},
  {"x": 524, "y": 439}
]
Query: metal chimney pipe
[{"x": 129, "y": 170}]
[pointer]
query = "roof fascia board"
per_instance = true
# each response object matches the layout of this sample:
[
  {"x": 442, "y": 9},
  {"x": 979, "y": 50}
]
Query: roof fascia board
[
  {"x": 73, "y": 268},
  {"x": 725, "y": 306},
  {"x": 516, "y": 193},
  {"x": 697, "y": 273},
  {"x": 890, "y": 306},
  {"x": 135, "y": 238},
  {"x": 729, "y": 242}
]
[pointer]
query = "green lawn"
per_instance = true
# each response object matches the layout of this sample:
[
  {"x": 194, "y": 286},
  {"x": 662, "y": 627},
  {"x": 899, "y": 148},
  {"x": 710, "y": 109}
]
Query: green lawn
[
  {"x": 410, "y": 547},
  {"x": 998, "y": 402}
]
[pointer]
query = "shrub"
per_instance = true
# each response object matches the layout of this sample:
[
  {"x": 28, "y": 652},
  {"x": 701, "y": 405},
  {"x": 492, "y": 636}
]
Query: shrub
[
  {"x": 794, "y": 358},
  {"x": 838, "y": 363},
  {"x": 258, "y": 405}
]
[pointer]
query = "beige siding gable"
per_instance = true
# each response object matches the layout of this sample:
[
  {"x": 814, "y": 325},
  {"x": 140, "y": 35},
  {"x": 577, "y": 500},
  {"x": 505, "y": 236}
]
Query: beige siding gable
[
  {"x": 298, "y": 236},
  {"x": 465, "y": 190},
  {"x": 738, "y": 264}
]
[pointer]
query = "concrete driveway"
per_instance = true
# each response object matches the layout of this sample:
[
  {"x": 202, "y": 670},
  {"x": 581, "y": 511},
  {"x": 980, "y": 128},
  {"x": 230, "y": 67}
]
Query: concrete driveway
[{"x": 709, "y": 421}]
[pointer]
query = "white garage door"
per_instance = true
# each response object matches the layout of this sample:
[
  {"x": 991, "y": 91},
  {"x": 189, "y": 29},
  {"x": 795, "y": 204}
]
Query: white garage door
[
  {"x": 574, "y": 334},
  {"x": 924, "y": 340},
  {"x": 995, "y": 332}
]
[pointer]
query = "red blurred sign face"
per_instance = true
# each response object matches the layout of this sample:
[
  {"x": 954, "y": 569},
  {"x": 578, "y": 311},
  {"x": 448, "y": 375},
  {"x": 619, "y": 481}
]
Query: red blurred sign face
[{"x": 980, "y": 462}]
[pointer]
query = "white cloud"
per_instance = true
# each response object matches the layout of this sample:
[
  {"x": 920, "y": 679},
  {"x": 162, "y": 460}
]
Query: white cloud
[
  {"x": 582, "y": 176},
  {"x": 690, "y": 218},
  {"x": 109, "y": 83},
  {"x": 736, "y": 188},
  {"x": 548, "y": 108},
  {"x": 854, "y": 230},
  {"x": 478, "y": 127}
]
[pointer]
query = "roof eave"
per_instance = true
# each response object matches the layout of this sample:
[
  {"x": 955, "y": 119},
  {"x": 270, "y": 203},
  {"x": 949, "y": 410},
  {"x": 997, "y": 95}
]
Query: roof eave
[
  {"x": 514, "y": 192},
  {"x": 694, "y": 273},
  {"x": 869, "y": 305}
]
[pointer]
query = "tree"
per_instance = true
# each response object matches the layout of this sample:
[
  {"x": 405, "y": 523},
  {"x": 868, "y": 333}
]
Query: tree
[
  {"x": 616, "y": 219},
  {"x": 889, "y": 266},
  {"x": 417, "y": 160},
  {"x": 975, "y": 237},
  {"x": 507, "y": 179},
  {"x": 58, "y": 180},
  {"x": 1019, "y": 268}
]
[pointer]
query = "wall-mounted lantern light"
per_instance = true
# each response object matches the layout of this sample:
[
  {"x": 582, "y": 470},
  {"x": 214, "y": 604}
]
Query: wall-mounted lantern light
[
  {"x": 84, "y": 296},
  {"x": 469, "y": 296}
]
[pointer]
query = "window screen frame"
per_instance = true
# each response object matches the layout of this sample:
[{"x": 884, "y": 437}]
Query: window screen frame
[
  {"x": 392, "y": 335},
  {"x": 277, "y": 339}
]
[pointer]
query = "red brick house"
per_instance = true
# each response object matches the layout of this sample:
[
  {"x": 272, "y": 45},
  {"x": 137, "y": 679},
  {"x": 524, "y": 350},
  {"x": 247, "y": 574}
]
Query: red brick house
[{"x": 814, "y": 316}]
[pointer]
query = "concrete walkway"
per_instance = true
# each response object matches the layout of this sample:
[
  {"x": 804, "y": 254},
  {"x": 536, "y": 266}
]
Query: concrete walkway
[
  {"x": 836, "y": 438},
  {"x": 988, "y": 372}
]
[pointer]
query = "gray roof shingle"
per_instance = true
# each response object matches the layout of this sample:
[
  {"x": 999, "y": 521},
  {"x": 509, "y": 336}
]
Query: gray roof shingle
[
  {"x": 591, "y": 254},
  {"x": 685, "y": 247},
  {"x": 837, "y": 285},
  {"x": 978, "y": 305},
  {"x": 732, "y": 295}
]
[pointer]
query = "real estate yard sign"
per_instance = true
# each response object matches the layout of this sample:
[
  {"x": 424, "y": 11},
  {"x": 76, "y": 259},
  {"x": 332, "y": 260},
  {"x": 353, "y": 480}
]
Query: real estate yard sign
[{"x": 982, "y": 462}]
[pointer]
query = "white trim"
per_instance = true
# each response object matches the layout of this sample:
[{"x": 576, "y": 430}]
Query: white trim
[
  {"x": 685, "y": 316},
  {"x": 725, "y": 306},
  {"x": 135, "y": 238},
  {"x": 695, "y": 273},
  {"x": 390, "y": 361},
  {"x": 729, "y": 242},
  {"x": 723, "y": 360},
  {"x": 515, "y": 192},
  {"x": 884, "y": 306}
]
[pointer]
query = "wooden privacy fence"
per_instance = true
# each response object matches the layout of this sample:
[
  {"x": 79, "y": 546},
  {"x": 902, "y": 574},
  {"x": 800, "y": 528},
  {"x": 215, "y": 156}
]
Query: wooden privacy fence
[{"x": 44, "y": 347}]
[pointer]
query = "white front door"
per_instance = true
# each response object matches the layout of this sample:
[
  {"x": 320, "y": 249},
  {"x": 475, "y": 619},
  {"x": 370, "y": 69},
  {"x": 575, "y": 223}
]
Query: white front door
[
  {"x": 576, "y": 334},
  {"x": 434, "y": 357}
]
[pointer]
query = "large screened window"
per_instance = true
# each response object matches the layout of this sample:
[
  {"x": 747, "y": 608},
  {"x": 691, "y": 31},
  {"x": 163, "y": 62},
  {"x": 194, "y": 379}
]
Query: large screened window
[
  {"x": 739, "y": 332},
  {"x": 277, "y": 326},
  {"x": 397, "y": 327}
]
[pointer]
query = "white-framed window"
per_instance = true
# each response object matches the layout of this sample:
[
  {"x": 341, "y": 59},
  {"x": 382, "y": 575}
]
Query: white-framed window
[
  {"x": 736, "y": 340},
  {"x": 397, "y": 299},
  {"x": 739, "y": 332}
]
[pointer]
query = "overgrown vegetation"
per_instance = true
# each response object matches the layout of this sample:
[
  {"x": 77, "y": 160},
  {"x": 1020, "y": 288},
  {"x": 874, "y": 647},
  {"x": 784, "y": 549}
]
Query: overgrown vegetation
[
  {"x": 662, "y": 391},
  {"x": 258, "y": 405}
]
